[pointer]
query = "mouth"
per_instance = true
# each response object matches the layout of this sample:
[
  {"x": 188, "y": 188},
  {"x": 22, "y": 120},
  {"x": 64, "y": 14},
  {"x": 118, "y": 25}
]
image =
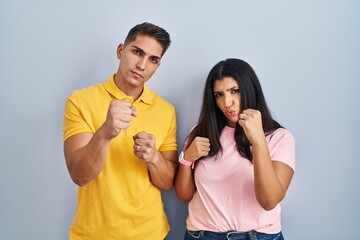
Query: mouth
[
  {"x": 137, "y": 74},
  {"x": 230, "y": 113}
]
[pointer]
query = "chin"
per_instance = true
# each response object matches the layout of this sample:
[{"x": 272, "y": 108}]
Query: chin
[
  {"x": 231, "y": 123},
  {"x": 234, "y": 120}
]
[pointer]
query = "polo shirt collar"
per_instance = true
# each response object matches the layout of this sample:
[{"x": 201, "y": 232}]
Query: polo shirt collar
[{"x": 111, "y": 88}]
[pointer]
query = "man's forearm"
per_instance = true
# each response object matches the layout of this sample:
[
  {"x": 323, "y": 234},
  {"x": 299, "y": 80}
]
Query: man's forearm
[
  {"x": 162, "y": 172},
  {"x": 87, "y": 162}
]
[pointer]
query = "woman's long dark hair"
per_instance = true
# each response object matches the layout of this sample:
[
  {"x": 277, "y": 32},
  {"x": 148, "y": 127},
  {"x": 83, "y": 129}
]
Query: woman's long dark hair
[{"x": 212, "y": 120}]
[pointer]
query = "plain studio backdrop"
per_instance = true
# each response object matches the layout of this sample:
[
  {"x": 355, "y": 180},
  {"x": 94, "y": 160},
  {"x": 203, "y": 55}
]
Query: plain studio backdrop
[{"x": 306, "y": 55}]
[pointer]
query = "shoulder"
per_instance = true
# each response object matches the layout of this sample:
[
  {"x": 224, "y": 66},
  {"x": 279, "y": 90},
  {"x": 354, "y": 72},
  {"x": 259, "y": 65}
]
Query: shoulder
[
  {"x": 281, "y": 145},
  {"x": 87, "y": 90},
  {"x": 281, "y": 134},
  {"x": 161, "y": 102},
  {"x": 88, "y": 93}
]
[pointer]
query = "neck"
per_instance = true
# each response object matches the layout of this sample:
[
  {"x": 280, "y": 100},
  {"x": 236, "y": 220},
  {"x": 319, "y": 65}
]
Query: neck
[{"x": 127, "y": 88}]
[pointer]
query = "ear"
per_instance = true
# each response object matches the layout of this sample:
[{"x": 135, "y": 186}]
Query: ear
[{"x": 119, "y": 50}]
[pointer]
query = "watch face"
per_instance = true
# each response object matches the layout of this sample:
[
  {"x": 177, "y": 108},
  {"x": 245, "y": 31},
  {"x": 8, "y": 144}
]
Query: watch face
[{"x": 181, "y": 156}]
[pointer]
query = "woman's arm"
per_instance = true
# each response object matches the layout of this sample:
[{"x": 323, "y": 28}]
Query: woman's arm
[
  {"x": 271, "y": 178},
  {"x": 184, "y": 183},
  {"x": 184, "y": 180}
]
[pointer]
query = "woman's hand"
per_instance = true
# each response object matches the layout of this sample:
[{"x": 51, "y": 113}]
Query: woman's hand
[
  {"x": 199, "y": 147},
  {"x": 250, "y": 121}
]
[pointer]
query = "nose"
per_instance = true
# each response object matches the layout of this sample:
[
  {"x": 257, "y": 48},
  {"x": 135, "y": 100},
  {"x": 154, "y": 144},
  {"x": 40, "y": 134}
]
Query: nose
[
  {"x": 228, "y": 101},
  {"x": 141, "y": 64}
]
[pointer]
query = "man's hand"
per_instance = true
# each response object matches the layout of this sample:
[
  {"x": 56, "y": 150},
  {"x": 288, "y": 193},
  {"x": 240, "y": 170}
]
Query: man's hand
[
  {"x": 119, "y": 116},
  {"x": 145, "y": 148}
]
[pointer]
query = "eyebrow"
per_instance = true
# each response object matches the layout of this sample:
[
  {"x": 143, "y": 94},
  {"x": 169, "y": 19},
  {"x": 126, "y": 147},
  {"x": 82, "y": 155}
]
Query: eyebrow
[
  {"x": 232, "y": 88},
  {"x": 143, "y": 52},
  {"x": 228, "y": 90}
]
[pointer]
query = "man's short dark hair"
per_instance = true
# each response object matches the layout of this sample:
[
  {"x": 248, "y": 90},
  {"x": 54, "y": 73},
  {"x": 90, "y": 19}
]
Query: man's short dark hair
[{"x": 151, "y": 30}]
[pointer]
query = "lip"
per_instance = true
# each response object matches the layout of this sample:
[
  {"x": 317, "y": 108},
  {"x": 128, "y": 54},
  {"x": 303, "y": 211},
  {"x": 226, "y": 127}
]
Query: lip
[
  {"x": 230, "y": 113},
  {"x": 137, "y": 74}
]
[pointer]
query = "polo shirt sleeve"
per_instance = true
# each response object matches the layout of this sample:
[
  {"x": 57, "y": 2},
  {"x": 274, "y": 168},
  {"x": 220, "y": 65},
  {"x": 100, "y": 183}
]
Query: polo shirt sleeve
[
  {"x": 73, "y": 122},
  {"x": 282, "y": 147},
  {"x": 169, "y": 142}
]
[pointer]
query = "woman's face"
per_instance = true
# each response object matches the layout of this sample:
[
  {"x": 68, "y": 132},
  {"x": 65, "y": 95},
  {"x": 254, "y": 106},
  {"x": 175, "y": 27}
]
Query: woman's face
[{"x": 227, "y": 96}]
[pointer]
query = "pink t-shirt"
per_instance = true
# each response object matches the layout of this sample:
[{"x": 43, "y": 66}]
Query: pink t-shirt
[{"x": 225, "y": 198}]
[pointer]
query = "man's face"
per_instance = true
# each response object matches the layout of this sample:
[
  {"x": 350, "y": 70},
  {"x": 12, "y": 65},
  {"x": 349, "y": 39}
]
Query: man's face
[{"x": 139, "y": 60}]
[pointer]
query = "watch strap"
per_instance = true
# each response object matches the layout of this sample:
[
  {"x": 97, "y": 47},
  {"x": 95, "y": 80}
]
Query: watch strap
[{"x": 185, "y": 162}]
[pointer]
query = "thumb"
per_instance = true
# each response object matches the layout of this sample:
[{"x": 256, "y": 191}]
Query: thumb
[{"x": 134, "y": 112}]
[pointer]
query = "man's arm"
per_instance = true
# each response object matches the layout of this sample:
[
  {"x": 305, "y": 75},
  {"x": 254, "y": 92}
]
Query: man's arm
[
  {"x": 85, "y": 153},
  {"x": 162, "y": 165},
  {"x": 85, "y": 156},
  {"x": 162, "y": 172}
]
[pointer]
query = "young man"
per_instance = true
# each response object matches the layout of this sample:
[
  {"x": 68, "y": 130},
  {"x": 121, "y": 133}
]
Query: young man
[{"x": 120, "y": 146}]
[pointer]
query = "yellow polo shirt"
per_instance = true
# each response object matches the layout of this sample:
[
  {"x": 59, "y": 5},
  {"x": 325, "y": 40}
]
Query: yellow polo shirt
[{"x": 121, "y": 202}]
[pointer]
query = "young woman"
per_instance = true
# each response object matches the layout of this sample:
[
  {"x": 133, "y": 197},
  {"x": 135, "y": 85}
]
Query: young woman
[{"x": 237, "y": 162}]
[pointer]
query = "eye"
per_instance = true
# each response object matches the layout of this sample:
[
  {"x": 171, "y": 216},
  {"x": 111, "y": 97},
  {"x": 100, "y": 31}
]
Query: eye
[
  {"x": 154, "y": 60},
  {"x": 235, "y": 91},
  {"x": 136, "y": 52},
  {"x": 217, "y": 95}
]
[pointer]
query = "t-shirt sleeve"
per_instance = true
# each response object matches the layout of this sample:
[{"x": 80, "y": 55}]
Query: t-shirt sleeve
[
  {"x": 73, "y": 122},
  {"x": 282, "y": 147}
]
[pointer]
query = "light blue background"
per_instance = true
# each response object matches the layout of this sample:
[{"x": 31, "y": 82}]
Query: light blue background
[{"x": 307, "y": 57}]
